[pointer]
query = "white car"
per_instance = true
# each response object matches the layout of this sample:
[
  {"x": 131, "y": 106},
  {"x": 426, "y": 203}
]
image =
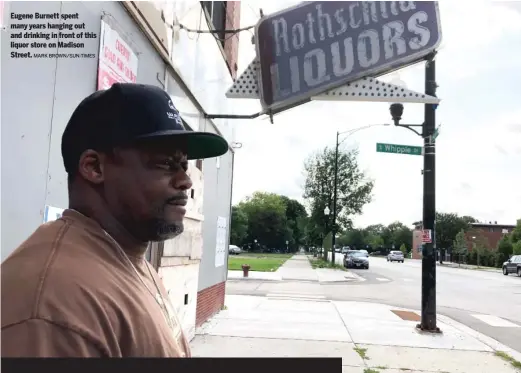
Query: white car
[
  {"x": 234, "y": 250},
  {"x": 395, "y": 256}
]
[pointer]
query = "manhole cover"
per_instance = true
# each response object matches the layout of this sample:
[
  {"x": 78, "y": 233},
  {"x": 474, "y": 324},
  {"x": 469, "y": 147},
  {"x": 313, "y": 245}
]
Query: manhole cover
[{"x": 407, "y": 315}]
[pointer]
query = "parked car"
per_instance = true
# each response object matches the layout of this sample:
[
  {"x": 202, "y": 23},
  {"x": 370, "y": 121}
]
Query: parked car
[
  {"x": 234, "y": 250},
  {"x": 365, "y": 253},
  {"x": 512, "y": 265},
  {"x": 356, "y": 259},
  {"x": 345, "y": 249},
  {"x": 395, "y": 256}
]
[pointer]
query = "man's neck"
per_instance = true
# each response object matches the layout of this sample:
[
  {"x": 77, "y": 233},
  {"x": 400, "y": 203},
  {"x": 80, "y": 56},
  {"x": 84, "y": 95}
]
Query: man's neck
[{"x": 115, "y": 229}]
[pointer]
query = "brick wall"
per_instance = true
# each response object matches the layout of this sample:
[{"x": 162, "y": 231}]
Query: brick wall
[
  {"x": 231, "y": 45},
  {"x": 209, "y": 302}
]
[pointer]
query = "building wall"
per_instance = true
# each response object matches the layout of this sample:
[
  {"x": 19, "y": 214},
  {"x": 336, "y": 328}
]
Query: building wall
[
  {"x": 492, "y": 233},
  {"x": 416, "y": 244},
  {"x": 38, "y": 97},
  {"x": 218, "y": 175}
]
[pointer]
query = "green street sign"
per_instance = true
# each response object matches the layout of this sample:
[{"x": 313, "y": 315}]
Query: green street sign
[{"x": 399, "y": 149}]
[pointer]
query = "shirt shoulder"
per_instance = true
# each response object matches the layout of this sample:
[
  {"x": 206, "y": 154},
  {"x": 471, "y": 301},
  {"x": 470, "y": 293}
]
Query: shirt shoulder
[
  {"x": 59, "y": 276},
  {"x": 43, "y": 338}
]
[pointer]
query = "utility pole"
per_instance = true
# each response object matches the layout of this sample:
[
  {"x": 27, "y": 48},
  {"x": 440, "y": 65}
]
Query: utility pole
[
  {"x": 428, "y": 299},
  {"x": 333, "y": 228}
]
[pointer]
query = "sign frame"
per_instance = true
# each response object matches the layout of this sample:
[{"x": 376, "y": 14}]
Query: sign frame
[{"x": 374, "y": 72}]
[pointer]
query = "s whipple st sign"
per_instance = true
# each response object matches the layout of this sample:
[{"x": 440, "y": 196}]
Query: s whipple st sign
[{"x": 317, "y": 46}]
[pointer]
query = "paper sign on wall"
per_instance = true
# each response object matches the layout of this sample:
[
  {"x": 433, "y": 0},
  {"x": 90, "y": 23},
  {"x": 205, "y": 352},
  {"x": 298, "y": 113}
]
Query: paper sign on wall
[
  {"x": 117, "y": 62},
  {"x": 52, "y": 213},
  {"x": 220, "y": 242}
]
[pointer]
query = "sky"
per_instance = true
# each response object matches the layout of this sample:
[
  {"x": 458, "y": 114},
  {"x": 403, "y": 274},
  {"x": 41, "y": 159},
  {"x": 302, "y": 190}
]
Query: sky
[{"x": 478, "y": 154}]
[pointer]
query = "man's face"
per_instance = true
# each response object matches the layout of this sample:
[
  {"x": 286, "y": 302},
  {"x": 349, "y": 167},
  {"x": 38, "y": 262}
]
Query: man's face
[{"x": 146, "y": 190}]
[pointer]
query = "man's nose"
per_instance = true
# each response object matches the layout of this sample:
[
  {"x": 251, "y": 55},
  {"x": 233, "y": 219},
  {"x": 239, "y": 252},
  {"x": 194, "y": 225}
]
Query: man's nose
[{"x": 183, "y": 182}]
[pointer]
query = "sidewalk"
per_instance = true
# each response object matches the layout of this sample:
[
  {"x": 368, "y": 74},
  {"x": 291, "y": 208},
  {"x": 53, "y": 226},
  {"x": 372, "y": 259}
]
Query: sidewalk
[
  {"x": 366, "y": 336},
  {"x": 298, "y": 268}
]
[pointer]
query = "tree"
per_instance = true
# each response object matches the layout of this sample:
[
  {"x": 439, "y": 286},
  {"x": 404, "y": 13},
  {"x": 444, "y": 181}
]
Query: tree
[
  {"x": 448, "y": 225},
  {"x": 505, "y": 248},
  {"x": 353, "y": 190},
  {"x": 515, "y": 235},
  {"x": 296, "y": 217},
  {"x": 516, "y": 249},
  {"x": 239, "y": 226},
  {"x": 403, "y": 249},
  {"x": 267, "y": 222},
  {"x": 460, "y": 245},
  {"x": 481, "y": 247}
]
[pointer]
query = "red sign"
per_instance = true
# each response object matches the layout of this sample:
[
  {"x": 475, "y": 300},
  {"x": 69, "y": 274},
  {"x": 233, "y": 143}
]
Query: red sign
[
  {"x": 426, "y": 236},
  {"x": 117, "y": 61}
]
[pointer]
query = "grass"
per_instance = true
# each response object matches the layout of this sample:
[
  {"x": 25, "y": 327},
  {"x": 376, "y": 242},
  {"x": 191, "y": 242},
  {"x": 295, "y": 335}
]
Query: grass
[
  {"x": 321, "y": 263},
  {"x": 260, "y": 262},
  {"x": 510, "y": 359},
  {"x": 370, "y": 370}
]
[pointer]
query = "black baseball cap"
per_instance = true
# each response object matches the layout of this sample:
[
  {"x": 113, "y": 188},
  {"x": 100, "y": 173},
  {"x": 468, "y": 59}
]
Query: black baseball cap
[{"x": 127, "y": 113}]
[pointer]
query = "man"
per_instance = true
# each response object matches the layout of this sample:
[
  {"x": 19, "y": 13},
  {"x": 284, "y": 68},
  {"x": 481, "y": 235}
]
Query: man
[{"x": 80, "y": 286}]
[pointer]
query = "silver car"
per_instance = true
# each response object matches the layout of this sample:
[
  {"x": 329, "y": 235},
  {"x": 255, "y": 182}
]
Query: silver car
[
  {"x": 395, "y": 256},
  {"x": 234, "y": 250}
]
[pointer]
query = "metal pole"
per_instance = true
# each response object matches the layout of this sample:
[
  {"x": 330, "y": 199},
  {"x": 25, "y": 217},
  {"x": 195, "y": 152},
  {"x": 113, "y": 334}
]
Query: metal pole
[
  {"x": 333, "y": 233},
  {"x": 428, "y": 302}
]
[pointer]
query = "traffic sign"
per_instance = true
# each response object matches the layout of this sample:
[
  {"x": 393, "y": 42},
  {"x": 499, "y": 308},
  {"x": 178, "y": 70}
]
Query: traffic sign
[
  {"x": 317, "y": 46},
  {"x": 399, "y": 149},
  {"x": 427, "y": 236}
]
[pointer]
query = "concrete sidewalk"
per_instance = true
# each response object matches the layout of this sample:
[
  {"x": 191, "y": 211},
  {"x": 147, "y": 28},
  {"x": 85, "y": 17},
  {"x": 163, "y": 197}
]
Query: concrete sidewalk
[
  {"x": 298, "y": 268},
  {"x": 366, "y": 336}
]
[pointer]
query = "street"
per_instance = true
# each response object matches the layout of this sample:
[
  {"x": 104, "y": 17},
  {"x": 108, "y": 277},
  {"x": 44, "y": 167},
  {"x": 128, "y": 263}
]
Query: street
[{"x": 485, "y": 301}]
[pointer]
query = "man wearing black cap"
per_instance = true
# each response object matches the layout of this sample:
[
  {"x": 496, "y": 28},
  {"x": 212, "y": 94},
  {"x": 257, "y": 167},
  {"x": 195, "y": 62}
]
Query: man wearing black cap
[{"x": 80, "y": 286}]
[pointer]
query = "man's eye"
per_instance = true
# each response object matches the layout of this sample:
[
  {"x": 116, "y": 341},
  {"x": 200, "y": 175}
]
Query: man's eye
[{"x": 167, "y": 165}]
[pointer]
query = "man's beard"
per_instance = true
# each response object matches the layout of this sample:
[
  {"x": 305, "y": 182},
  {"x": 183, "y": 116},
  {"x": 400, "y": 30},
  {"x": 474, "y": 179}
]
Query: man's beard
[{"x": 161, "y": 230}]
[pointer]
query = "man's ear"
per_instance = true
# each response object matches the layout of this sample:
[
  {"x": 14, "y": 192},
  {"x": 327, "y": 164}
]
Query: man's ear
[{"x": 91, "y": 166}]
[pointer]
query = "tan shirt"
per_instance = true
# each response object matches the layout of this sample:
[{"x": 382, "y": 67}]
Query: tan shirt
[{"x": 67, "y": 291}]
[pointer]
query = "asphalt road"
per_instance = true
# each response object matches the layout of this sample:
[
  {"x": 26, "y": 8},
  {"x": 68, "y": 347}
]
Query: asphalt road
[{"x": 467, "y": 296}]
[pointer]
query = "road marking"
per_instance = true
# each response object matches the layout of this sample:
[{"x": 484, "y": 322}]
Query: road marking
[
  {"x": 496, "y": 321},
  {"x": 382, "y": 279}
]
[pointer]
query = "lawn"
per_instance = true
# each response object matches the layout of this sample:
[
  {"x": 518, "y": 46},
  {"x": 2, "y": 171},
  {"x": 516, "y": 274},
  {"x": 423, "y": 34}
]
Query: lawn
[
  {"x": 321, "y": 263},
  {"x": 257, "y": 261}
]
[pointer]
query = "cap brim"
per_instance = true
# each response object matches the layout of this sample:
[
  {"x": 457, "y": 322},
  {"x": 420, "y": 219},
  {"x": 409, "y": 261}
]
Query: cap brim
[{"x": 199, "y": 145}]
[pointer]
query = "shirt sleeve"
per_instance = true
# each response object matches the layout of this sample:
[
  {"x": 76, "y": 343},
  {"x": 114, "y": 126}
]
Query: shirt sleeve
[{"x": 41, "y": 338}]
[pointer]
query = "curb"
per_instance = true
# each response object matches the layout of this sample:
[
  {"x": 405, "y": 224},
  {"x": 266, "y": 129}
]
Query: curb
[{"x": 489, "y": 341}]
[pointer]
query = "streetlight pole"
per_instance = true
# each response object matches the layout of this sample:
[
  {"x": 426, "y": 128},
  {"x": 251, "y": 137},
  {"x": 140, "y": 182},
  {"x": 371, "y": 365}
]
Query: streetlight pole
[
  {"x": 428, "y": 315},
  {"x": 335, "y": 188},
  {"x": 428, "y": 292},
  {"x": 335, "y": 181}
]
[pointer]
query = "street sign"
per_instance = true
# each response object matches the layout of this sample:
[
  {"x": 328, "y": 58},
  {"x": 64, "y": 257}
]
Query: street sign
[
  {"x": 399, "y": 149},
  {"x": 317, "y": 46},
  {"x": 426, "y": 236}
]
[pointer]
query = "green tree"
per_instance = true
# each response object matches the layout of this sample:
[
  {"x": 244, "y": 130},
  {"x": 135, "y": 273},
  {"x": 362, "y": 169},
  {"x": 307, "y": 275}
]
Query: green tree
[
  {"x": 239, "y": 226},
  {"x": 375, "y": 241},
  {"x": 267, "y": 222},
  {"x": 448, "y": 225},
  {"x": 515, "y": 235},
  {"x": 353, "y": 189},
  {"x": 460, "y": 245},
  {"x": 296, "y": 217},
  {"x": 403, "y": 249},
  {"x": 481, "y": 247},
  {"x": 505, "y": 248},
  {"x": 516, "y": 250}
]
